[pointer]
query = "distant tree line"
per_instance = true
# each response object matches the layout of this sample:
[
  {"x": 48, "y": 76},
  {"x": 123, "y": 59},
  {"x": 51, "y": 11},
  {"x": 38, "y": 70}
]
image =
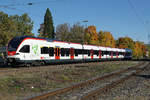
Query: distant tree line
[{"x": 89, "y": 35}]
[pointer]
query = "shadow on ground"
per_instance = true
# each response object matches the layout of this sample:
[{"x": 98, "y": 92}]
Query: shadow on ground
[{"x": 143, "y": 76}]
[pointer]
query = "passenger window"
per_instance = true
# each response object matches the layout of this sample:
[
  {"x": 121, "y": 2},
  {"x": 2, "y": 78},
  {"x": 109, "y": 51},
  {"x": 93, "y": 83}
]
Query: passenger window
[
  {"x": 25, "y": 49},
  {"x": 51, "y": 51},
  {"x": 44, "y": 50},
  {"x": 62, "y": 51},
  {"x": 67, "y": 52}
]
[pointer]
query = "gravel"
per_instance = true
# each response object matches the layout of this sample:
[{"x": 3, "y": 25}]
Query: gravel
[{"x": 136, "y": 88}]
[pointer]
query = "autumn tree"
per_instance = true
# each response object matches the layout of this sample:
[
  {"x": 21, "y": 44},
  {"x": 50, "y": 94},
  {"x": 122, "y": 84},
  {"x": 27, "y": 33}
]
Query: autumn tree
[
  {"x": 125, "y": 42},
  {"x": 11, "y": 26},
  {"x": 106, "y": 39},
  {"x": 91, "y": 36},
  {"x": 139, "y": 50},
  {"x": 47, "y": 28}
]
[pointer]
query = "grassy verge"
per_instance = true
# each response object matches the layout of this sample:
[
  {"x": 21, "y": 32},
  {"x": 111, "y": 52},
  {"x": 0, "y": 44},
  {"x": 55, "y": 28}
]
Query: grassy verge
[{"x": 16, "y": 85}]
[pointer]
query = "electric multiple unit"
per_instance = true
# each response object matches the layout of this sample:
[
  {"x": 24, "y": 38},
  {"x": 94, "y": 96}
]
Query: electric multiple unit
[{"x": 25, "y": 49}]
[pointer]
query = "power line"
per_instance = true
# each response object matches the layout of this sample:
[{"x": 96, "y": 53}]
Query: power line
[
  {"x": 134, "y": 10},
  {"x": 138, "y": 16},
  {"x": 12, "y": 6}
]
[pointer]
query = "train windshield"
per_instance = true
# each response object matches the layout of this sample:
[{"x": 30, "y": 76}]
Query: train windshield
[{"x": 14, "y": 43}]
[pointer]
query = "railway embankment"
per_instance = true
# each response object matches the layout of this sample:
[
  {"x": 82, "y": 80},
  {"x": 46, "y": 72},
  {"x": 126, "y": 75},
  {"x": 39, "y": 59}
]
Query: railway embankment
[{"x": 19, "y": 83}]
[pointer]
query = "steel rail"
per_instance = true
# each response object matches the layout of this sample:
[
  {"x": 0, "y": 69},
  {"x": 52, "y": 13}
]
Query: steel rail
[
  {"x": 82, "y": 84},
  {"x": 95, "y": 93}
]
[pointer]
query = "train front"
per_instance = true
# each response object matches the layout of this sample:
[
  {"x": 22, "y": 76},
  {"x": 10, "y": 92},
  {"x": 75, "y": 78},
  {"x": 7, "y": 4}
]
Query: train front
[{"x": 12, "y": 55}]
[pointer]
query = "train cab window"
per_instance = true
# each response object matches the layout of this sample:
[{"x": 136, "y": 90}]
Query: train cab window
[
  {"x": 44, "y": 50},
  {"x": 25, "y": 49},
  {"x": 51, "y": 51}
]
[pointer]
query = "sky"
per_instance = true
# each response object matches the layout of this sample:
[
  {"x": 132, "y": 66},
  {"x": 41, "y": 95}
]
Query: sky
[{"x": 120, "y": 17}]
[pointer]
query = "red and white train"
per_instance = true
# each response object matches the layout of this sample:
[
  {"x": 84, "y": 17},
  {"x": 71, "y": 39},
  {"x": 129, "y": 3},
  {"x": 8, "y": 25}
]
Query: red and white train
[{"x": 28, "y": 50}]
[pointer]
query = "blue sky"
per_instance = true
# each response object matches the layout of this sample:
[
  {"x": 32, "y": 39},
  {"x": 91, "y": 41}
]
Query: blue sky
[{"x": 117, "y": 16}]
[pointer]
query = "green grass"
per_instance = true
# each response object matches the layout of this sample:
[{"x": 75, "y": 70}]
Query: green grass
[{"x": 18, "y": 84}]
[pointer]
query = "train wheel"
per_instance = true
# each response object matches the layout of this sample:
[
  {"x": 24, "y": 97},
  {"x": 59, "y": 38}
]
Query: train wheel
[
  {"x": 27, "y": 65},
  {"x": 42, "y": 63}
]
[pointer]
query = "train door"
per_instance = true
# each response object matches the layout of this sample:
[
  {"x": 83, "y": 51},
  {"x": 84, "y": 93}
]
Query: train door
[
  {"x": 57, "y": 53},
  {"x": 92, "y": 52},
  {"x": 99, "y": 54},
  {"x": 117, "y": 54},
  {"x": 111, "y": 54},
  {"x": 71, "y": 53}
]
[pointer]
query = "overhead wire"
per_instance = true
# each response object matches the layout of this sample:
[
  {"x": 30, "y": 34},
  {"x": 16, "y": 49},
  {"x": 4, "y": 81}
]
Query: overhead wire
[
  {"x": 12, "y": 6},
  {"x": 138, "y": 16}
]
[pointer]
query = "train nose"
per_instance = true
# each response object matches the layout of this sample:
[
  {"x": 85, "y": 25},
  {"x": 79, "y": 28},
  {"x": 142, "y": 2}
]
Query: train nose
[{"x": 11, "y": 53}]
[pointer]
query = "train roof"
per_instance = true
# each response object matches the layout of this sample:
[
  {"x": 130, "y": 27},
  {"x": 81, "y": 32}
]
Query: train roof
[
  {"x": 32, "y": 37},
  {"x": 21, "y": 38}
]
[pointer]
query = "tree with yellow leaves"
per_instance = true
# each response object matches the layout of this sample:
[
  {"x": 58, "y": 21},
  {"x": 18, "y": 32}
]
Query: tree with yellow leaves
[
  {"x": 125, "y": 42},
  {"x": 91, "y": 36},
  {"x": 139, "y": 50},
  {"x": 106, "y": 39}
]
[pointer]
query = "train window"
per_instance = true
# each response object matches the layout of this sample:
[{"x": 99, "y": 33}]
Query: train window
[
  {"x": 25, "y": 49},
  {"x": 62, "y": 50},
  {"x": 96, "y": 52},
  {"x": 114, "y": 53},
  {"x": 44, "y": 50},
  {"x": 51, "y": 51},
  {"x": 88, "y": 52},
  {"x": 105, "y": 52},
  {"x": 76, "y": 52},
  {"x": 108, "y": 52},
  {"x": 67, "y": 52},
  {"x": 85, "y": 51},
  {"x": 80, "y": 51}
]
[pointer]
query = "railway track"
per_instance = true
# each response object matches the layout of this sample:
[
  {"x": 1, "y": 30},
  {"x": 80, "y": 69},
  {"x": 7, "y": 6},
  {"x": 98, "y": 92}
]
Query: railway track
[
  {"x": 90, "y": 89},
  {"x": 6, "y": 68}
]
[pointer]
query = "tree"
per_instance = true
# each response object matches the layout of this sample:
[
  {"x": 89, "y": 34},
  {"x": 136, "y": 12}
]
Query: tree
[
  {"x": 11, "y": 26},
  {"x": 139, "y": 50},
  {"x": 91, "y": 36},
  {"x": 106, "y": 39},
  {"x": 68, "y": 33},
  {"x": 77, "y": 33},
  {"x": 48, "y": 28},
  {"x": 62, "y": 32},
  {"x": 23, "y": 24},
  {"x": 125, "y": 42}
]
